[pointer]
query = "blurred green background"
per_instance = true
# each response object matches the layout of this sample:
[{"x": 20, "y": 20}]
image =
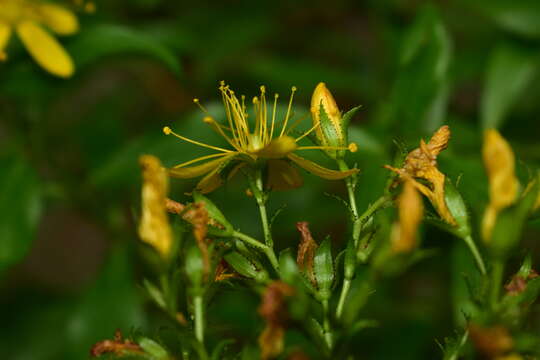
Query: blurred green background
[{"x": 69, "y": 179}]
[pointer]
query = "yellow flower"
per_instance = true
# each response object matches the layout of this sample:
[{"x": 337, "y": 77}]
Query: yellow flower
[
  {"x": 421, "y": 163},
  {"x": 252, "y": 143},
  {"x": 503, "y": 184},
  {"x": 28, "y": 18},
  {"x": 154, "y": 228},
  {"x": 330, "y": 125},
  {"x": 410, "y": 210}
]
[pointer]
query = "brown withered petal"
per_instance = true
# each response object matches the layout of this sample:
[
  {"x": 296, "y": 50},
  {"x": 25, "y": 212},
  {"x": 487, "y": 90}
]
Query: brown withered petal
[
  {"x": 411, "y": 210},
  {"x": 306, "y": 251},
  {"x": 503, "y": 185},
  {"x": 421, "y": 163},
  {"x": 154, "y": 227},
  {"x": 224, "y": 272},
  {"x": 491, "y": 341},
  {"x": 118, "y": 347},
  {"x": 273, "y": 309},
  {"x": 197, "y": 215},
  {"x": 516, "y": 286},
  {"x": 174, "y": 207}
]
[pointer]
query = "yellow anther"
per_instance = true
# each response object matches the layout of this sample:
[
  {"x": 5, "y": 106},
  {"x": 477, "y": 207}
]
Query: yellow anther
[
  {"x": 353, "y": 147},
  {"x": 255, "y": 100},
  {"x": 90, "y": 8},
  {"x": 195, "y": 100},
  {"x": 167, "y": 130},
  {"x": 208, "y": 120},
  {"x": 293, "y": 89},
  {"x": 263, "y": 89}
]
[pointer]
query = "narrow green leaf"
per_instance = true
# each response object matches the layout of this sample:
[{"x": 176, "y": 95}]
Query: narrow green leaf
[
  {"x": 101, "y": 41},
  {"x": 20, "y": 206},
  {"x": 509, "y": 72}
]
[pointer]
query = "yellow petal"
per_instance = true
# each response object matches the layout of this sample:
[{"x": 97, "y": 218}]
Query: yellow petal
[
  {"x": 321, "y": 171},
  {"x": 5, "y": 34},
  {"x": 500, "y": 167},
  {"x": 59, "y": 19},
  {"x": 45, "y": 49},
  {"x": 154, "y": 227},
  {"x": 278, "y": 148},
  {"x": 210, "y": 182},
  {"x": 282, "y": 176},
  {"x": 411, "y": 210},
  {"x": 190, "y": 172}
]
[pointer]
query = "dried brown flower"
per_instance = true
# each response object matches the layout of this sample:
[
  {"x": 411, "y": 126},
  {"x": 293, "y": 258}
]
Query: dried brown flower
[
  {"x": 491, "y": 342},
  {"x": 306, "y": 251},
  {"x": 421, "y": 163},
  {"x": 118, "y": 347},
  {"x": 273, "y": 310}
]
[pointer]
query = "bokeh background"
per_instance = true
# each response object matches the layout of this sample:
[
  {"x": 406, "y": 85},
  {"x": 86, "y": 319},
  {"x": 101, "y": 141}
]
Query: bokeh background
[{"x": 70, "y": 261}]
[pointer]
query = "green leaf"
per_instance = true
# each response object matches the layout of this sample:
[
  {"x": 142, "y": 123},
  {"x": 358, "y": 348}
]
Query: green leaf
[
  {"x": 155, "y": 350},
  {"x": 323, "y": 267},
  {"x": 215, "y": 214},
  {"x": 101, "y": 41},
  {"x": 509, "y": 72},
  {"x": 521, "y": 16},
  {"x": 420, "y": 93},
  {"x": 20, "y": 206}
]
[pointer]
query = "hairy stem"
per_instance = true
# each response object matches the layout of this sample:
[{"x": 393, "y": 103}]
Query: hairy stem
[{"x": 343, "y": 296}]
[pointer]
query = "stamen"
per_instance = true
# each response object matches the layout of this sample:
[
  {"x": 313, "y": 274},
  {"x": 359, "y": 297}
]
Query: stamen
[
  {"x": 196, "y": 101},
  {"x": 167, "y": 131},
  {"x": 276, "y": 96},
  {"x": 218, "y": 127},
  {"x": 293, "y": 90},
  {"x": 309, "y": 131},
  {"x": 199, "y": 159},
  {"x": 323, "y": 148}
]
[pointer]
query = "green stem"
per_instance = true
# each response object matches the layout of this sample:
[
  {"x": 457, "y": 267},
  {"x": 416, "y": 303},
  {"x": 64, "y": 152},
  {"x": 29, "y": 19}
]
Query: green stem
[
  {"x": 344, "y": 292},
  {"x": 249, "y": 240},
  {"x": 496, "y": 282},
  {"x": 357, "y": 224},
  {"x": 199, "y": 318},
  {"x": 326, "y": 325},
  {"x": 476, "y": 254},
  {"x": 257, "y": 189}
]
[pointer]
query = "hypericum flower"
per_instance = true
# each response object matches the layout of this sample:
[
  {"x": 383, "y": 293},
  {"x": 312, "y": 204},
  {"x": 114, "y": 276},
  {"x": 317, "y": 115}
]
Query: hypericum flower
[
  {"x": 27, "y": 18},
  {"x": 330, "y": 125},
  {"x": 154, "y": 228},
  {"x": 410, "y": 210},
  {"x": 503, "y": 184},
  {"x": 250, "y": 143},
  {"x": 421, "y": 163}
]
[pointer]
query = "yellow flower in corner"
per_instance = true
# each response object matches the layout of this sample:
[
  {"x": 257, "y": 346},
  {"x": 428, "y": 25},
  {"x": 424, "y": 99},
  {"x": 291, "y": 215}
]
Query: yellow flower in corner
[
  {"x": 154, "y": 227},
  {"x": 31, "y": 20},
  {"x": 251, "y": 143},
  {"x": 421, "y": 163},
  {"x": 503, "y": 183}
]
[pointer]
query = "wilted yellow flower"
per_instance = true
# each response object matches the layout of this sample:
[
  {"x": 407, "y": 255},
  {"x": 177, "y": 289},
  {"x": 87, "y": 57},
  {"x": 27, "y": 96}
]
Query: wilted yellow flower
[
  {"x": 503, "y": 184},
  {"x": 411, "y": 210},
  {"x": 28, "y": 18},
  {"x": 330, "y": 126},
  {"x": 252, "y": 143},
  {"x": 421, "y": 163},
  {"x": 154, "y": 227}
]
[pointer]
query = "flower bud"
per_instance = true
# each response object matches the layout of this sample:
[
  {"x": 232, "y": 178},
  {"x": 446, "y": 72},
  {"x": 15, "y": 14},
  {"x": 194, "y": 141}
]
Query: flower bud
[{"x": 330, "y": 126}]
